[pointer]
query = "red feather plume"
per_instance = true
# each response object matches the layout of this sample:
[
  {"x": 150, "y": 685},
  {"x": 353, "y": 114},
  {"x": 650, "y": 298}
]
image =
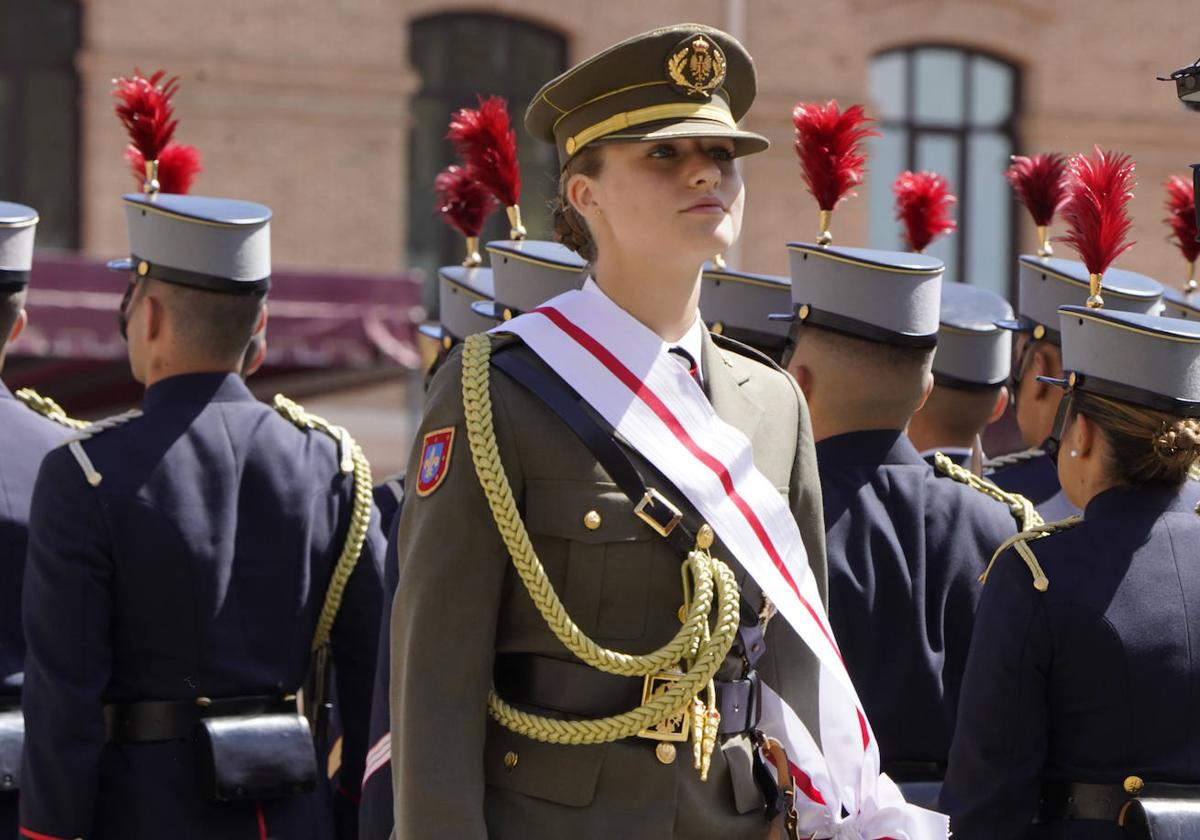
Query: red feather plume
[
  {"x": 1181, "y": 216},
  {"x": 1040, "y": 182},
  {"x": 462, "y": 202},
  {"x": 144, "y": 108},
  {"x": 487, "y": 144},
  {"x": 1096, "y": 211},
  {"x": 178, "y": 166},
  {"x": 923, "y": 202},
  {"x": 827, "y": 143}
]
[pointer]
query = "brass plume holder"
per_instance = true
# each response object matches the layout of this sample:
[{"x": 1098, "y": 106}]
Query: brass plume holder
[
  {"x": 719, "y": 262},
  {"x": 1094, "y": 300},
  {"x": 1044, "y": 248},
  {"x": 824, "y": 237},
  {"x": 150, "y": 186},
  {"x": 472, "y": 260},
  {"x": 1190, "y": 285},
  {"x": 517, "y": 231}
]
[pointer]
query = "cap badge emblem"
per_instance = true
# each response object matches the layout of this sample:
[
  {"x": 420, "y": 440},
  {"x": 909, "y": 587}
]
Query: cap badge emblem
[{"x": 696, "y": 66}]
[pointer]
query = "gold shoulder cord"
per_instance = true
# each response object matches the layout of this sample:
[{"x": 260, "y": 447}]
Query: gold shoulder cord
[
  {"x": 1020, "y": 507},
  {"x": 1013, "y": 458},
  {"x": 703, "y": 651},
  {"x": 48, "y": 408},
  {"x": 1021, "y": 541},
  {"x": 352, "y": 460}
]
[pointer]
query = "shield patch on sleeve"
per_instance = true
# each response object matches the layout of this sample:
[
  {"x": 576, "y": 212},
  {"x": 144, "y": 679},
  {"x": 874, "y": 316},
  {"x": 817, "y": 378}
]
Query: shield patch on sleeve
[{"x": 435, "y": 460}]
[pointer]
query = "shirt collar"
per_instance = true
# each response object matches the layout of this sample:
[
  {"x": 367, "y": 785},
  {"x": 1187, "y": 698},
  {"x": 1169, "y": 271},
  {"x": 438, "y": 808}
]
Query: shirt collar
[{"x": 692, "y": 341}]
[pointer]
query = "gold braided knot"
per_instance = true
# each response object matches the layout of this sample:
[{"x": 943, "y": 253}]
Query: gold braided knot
[
  {"x": 360, "y": 515},
  {"x": 1021, "y": 541},
  {"x": 48, "y": 408},
  {"x": 705, "y": 650},
  {"x": 1020, "y": 507}
]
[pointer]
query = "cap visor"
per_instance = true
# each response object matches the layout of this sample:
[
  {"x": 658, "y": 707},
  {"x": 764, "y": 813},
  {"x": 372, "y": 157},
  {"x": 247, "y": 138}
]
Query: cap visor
[
  {"x": 1050, "y": 380},
  {"x": 781, "y": 316},
  {"x": 125, "y": 264},
  {"x": 744, "y": 142},
  {"x": 1016, "y": 326},
  {"x": 487, "y": 309},
  {"x": 433, "y": 331}
]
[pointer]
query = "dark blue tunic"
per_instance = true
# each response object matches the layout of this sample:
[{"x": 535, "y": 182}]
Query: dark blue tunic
[
  {"x": 1036, "y": 479},
  {"x": 1096, "y": 679},
  {"x": 906, "y": 548},
  {"x": 197, "y": 567},
  {"x": 25, "y": 439}
]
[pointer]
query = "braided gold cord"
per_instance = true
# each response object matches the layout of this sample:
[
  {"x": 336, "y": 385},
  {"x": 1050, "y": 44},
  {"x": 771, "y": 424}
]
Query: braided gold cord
[
  {"x": 360, "y": 514},
  {"x": 1020, "y": 507},
  {"x": 48, "y": 408},
  {"x": 693, "y": 641},
  {"x": 1021, "y": 543}
]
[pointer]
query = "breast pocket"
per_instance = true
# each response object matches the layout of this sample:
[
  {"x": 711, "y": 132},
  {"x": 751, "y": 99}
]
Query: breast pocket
[{"x": 605, "y": 579}]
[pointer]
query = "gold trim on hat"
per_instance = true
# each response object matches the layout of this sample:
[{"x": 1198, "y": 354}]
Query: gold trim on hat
[
  {"x": 1129, "y": 328},
  {"x": 919, "y": 272},
  {"x": 652, "y": 113},
  {"x": 1045, "y": 269},
  {"x": 725, "y": 277},
  {"x": 185, "y": 218},
  {"x": 21, "y": 224},
  {"x": 531, "y": 260}
]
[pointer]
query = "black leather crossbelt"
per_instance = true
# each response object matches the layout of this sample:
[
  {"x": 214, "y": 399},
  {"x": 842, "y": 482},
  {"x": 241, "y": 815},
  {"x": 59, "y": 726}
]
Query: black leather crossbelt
[
  {"x": 168, "y": 720},
  {"x": 578, "y": 690}
]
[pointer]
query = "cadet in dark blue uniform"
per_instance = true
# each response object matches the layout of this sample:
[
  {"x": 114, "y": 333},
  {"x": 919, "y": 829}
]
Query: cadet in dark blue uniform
[
  {"x": 905, "y": 544},
  {"x": 1080, "y": 690},
  {"x": 26, "y": 438},
  {"x": 1046, "y": 283},
  {"x": 184, "y": 563},
  {"x": 970, "y": 370}
]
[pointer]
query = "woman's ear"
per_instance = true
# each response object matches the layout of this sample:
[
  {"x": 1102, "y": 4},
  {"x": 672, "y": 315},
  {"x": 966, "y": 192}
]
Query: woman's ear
[
  {"x": 581, "y": 193},
  {"x": 1084, "y": 436}
]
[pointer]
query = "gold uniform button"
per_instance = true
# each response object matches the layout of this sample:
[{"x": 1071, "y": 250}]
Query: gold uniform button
[
  {"x": 665, "y": 752},
  {"x": 683, "y": 608},
  {"x": 591, "y": 520},
  {"x": 511, "y": 759},
  {"x": 143, "y": 268},
  {"x": 1134, "y": 785}
]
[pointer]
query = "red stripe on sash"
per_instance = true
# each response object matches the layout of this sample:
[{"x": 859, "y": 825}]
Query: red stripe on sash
[
  {"x": 25, "y": 832},
  {"x": 642, "y": 392},
  {"x": 262, "y": 821}
]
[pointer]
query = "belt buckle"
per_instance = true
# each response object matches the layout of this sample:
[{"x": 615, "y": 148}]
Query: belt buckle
[
  {"x": 656, "y": 511},
  {"x": 676, "y": 727}
]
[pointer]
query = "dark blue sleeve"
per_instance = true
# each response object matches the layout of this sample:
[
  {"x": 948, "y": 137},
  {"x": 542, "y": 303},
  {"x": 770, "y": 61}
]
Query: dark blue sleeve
[
  {"x": 993, "y": 780},
  {"x": 67, "y": 616}
]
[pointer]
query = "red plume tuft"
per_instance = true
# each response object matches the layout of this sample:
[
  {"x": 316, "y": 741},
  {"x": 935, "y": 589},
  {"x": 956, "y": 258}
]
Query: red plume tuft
[
  {"x": 144, "y": 108},
  {"x": 1096, "y": 211},
  {"x": 178, "y": 166},
  {"x": 1181, "y": 210},
  {"x": 487, "y": 144},
  {"x": 1040, "y": 182},
  {"x": 827, "y": 143},
  {"x": 462, "y": 202},
  {"x": 923, "y": 201}
]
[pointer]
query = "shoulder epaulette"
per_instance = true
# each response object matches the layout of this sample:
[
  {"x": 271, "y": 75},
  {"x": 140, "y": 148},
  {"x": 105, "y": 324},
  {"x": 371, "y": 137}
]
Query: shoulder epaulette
[
  {"x": 1020, "y": 507},
  {"x": 351, "y": 462},
  {"x": 1020, "y": 542},
  {"x": 89, "y": 431},
  {"x": 48, "y": 408},
  {"x": 1013, "y": 458}
]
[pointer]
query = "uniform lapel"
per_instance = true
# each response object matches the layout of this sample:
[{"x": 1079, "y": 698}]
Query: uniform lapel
[{"x": 725, "y": 386}]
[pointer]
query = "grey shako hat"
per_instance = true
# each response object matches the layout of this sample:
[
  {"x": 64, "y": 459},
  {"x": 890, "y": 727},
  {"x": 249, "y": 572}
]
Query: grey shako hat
[
  {"x": 527, "y": 273},
  {"x": 18, "y": 225},
  {"x": 972, "y": 352},
  {"x": 1177, "y": 304},
  {"x": 458, "y": 288},
  {"x": 216, "y": 244},
  {"x": 1046, "y": 284},
  {"x": 890, "y": 297},
  {"x": 1146, "y": 360},
  {"x": 740, "y": 305}
]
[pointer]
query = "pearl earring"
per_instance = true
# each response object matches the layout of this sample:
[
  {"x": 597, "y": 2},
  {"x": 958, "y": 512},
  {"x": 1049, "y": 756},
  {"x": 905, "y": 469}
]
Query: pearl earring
[{"x": 1074, "y": 453}]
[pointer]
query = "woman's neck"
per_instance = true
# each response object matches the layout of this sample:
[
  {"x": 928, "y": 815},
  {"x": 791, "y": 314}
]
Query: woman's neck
[{"x": 663, "y": 295}]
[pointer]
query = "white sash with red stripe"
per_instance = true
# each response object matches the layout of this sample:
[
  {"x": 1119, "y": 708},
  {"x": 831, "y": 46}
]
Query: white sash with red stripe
[{"x": 621, "y": 368}]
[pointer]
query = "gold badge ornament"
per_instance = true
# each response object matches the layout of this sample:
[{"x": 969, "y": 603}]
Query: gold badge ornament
[{"x": 696, "y": 66}]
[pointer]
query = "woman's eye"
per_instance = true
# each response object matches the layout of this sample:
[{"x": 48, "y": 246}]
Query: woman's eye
[
  {"x": 721, "y": 153},
  {"x": 663, "y": 151}
]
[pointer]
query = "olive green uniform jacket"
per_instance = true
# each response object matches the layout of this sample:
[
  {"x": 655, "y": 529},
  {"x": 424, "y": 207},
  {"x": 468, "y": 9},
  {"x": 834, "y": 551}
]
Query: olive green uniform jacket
[{"x": 460, "y": 605}]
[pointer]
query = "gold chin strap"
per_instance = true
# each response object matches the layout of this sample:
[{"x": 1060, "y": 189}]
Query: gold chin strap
[{"x": 704, "y": 576}]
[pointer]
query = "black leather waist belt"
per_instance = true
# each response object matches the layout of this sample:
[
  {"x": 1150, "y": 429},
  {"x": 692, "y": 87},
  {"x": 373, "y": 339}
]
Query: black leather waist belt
[
  {"x": 579, "y": 691},
  {"x": 915, "y": 771},
  {"x": 169, "y": 720}
]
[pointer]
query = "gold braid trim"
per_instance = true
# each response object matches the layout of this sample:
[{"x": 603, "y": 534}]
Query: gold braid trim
[
  {"x": 49, "y": 408},
  {"x": 1019, "y": 506},
  {"x": 351, "y": 460},
  {"x": 1021, "y": 543},
  {"x": 1013, "y": 458},
  {"x": 704, "y": 650}
]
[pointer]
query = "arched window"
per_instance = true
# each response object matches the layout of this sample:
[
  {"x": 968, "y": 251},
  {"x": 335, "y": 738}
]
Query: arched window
[
  {"x": 456, "y": 57},
  {"x": 953, "y": 111},
  {"x": 39, "y": 114}
]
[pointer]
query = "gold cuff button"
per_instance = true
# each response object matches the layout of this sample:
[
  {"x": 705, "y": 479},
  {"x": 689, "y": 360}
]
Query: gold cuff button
[
  {"x": 665, "y": 752},
  {"x": 591, "y": 520},
  {"x": 510, "y": 760}
]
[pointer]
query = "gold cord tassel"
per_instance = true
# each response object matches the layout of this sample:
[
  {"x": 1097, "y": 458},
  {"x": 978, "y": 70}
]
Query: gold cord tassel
[{"x": 823, "y": 219}]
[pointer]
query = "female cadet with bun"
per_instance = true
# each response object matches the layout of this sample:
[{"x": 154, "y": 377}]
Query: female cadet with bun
[
  {"x": 612, "y": 559},
  {"x": 1080, "y": 693}
]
